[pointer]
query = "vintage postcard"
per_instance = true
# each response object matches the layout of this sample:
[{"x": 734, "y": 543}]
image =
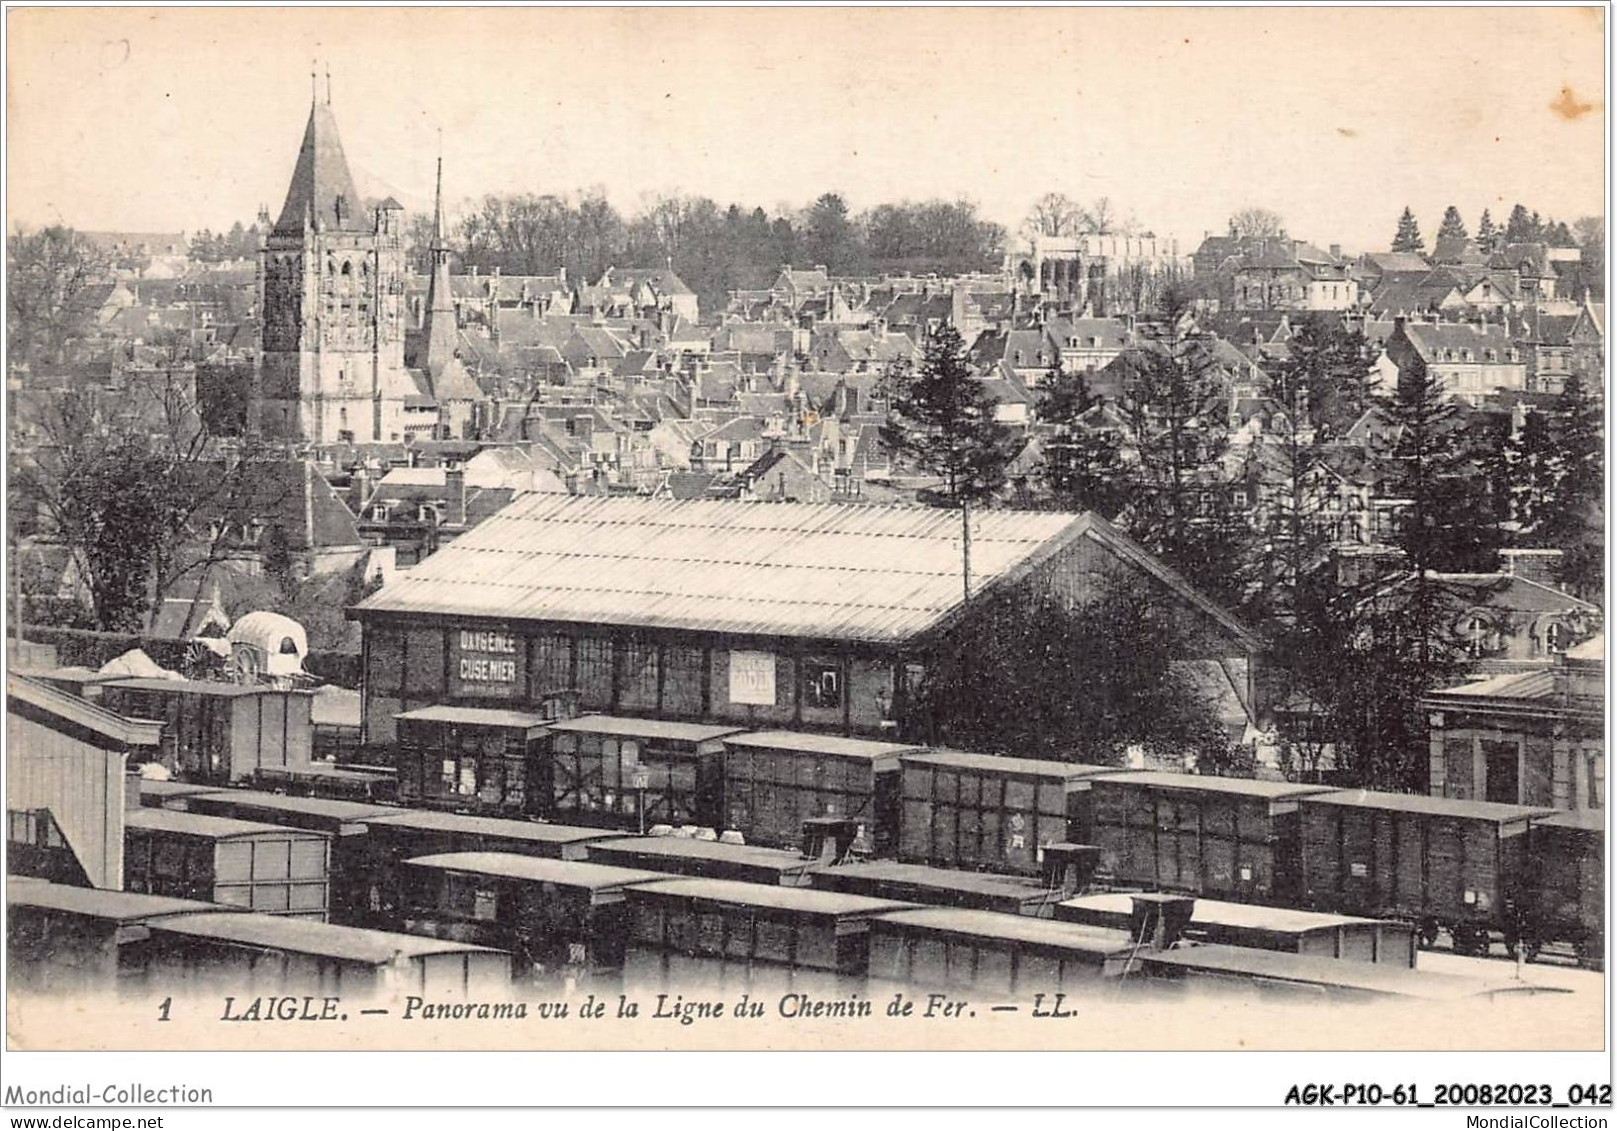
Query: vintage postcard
[{"x": 1004, "y": 529}]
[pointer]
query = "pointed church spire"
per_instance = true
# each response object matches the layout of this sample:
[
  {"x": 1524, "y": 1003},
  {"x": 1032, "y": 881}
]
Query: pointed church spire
[
  {"x": 440, "y": 327},
  {"x": 322, "y": 187}
]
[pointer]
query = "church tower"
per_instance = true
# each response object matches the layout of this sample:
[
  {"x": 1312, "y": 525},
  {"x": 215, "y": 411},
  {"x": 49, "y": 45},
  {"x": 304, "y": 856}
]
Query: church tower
[{"x": 332, "y": 279}]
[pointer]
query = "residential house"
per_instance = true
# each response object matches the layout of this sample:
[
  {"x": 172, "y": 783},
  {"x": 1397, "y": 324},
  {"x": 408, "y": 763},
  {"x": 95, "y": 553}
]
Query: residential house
[{"x": 1471, "y": 360}]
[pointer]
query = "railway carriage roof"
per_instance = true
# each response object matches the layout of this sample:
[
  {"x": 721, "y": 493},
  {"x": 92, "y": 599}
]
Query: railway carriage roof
[
  {"x": 204, "y": 825},
  {"x": 1429, "y": 806},
  {"x": 737, "y": 894},
  {"x": 305, "y": 936},
  {"x": 537, "y": 869}
]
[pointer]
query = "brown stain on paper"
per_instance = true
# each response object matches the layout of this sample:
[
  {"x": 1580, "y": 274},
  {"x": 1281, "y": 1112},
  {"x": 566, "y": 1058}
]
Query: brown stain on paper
[{"x": 1569, "y": 107}]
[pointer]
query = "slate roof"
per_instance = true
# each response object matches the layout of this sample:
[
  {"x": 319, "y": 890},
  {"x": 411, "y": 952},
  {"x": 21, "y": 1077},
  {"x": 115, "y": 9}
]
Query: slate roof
[{"x": 319, "y": 178}]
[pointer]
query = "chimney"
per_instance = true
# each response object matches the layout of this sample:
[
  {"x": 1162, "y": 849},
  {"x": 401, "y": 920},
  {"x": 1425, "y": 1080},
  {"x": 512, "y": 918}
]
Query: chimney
[
  {"x": 1532, "y": 565},
  {"x": 455, "y": 489},
  {"x": 358, "y": 487},
  {"x": 1336, "y": 251}
]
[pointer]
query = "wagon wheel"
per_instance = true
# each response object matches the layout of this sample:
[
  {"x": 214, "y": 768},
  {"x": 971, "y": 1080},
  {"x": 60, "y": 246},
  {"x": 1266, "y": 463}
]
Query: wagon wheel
[
  {"x": 243, "y": 666},
  {"x": 200, "y": 660}
]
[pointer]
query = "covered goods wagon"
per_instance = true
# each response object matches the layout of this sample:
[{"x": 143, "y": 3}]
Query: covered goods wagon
[
  {"x": 401, "y": 834},
  {"x": 219, "y": 733},
  {"x": 1566, "y": 883},
  {"x": 686, "y": 932},
  {"x": 1221, "y": 838},
  {"x": 989, "y": 813},
  {"x": 555, "y": 917},
  {"x": 1438, "y": 861},
  {"x": 474, "y": 759},
  {"x": 342, "y": 821},
  {"x": 246, "y": 864},
  {"x": 774, "y": 780},
  {"x": 171, "y": 794},
  {"x": 63, "y": 940},
  {"x": 1282, "y": 929},
  {"x": 220, "y": 953},
  {"x": 991, "y": 953},
  {"x": 637, "y": 773}
]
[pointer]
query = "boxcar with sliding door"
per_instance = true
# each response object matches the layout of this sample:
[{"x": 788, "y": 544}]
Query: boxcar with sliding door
[
  {"x": 984, "y": 812},
  {"x": 774, "y": 780},
  {"x": 1566, "y": 884},
  {"x": 557, "y": 918},
  {"x": 248, "y": 864},
  {"x": 1438, "y": 861},
  {"x": 637, "y": 773},
  {"x": 1223, "y": 838},
  {"x": 474, "y": 760}
]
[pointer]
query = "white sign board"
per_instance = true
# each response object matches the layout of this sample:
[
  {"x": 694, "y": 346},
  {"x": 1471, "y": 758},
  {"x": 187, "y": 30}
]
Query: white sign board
[{"x": 752, "y": 678}]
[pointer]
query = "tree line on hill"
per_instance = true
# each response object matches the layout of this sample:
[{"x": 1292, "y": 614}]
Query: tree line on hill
[{"x": 713, "y": 248}]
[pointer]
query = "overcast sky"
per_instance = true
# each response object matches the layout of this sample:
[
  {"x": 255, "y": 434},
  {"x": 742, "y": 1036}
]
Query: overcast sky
[{"x": 175, "y": 120}]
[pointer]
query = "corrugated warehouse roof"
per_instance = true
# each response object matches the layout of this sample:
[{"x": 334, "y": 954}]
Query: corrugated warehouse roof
[{"x": 877, "y": 574}]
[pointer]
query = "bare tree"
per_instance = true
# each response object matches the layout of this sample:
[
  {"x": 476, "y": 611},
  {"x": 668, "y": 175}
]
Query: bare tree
[
  {"x": 1249, "y": 222},
  {"x": 1053, "y": 214},
  {"x": 47, "y": 275}
]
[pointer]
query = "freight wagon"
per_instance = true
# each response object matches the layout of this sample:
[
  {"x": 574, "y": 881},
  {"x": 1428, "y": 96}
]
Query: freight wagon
[
  {"x": 247, "y": 864},
  {"x": 918, "y": 883},
  {"x": 219, "y": 733},
  {"x": 707, "y": 859},
  {"x": 721, "y": 934},
  {"x": 637, "y": 773},
  {"x": 1222, "y": 838},
  {"x": 1012, "y": 956},
  {"x": 775, "y": 780},
  {"x": 1437, "y": 861},
  {"x": 401, "y": 834},
  {"x": 1281, "y": 929},
  {"x": 474, "y": 759},
  {"x": 64, "y": 941},
  {"x": 983, "y": 812},
  {"x": 342, "y": 821},
  {"x": 221, "y": 954},
  {"x": 557, "y": 918},
  {"x": 1566, "y": 884}
]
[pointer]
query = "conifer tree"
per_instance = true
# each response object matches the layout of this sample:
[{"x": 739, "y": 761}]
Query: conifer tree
[
  {"x": 1408, "y": 237},
  {"x": 1082, "y": 463},
  {"x": 1452, "y": 227},
  {"x": 1487, "y": 235}
]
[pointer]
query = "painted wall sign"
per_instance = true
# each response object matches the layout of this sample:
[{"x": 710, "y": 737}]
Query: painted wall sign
[
  {"x": 486, "y": 663},
  {"x": 752, "y": 678}
]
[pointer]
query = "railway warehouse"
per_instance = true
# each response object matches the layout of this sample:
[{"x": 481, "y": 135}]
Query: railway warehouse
[{"x": 781, "y": 616}]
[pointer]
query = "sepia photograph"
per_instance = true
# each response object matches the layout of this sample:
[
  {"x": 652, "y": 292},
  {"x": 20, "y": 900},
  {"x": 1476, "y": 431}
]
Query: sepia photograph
[{"x": 738, "y": 529}]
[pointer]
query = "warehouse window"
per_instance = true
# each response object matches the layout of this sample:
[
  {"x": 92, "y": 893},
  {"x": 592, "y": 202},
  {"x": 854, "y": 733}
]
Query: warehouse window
[{"x": 822, "y": 684}]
